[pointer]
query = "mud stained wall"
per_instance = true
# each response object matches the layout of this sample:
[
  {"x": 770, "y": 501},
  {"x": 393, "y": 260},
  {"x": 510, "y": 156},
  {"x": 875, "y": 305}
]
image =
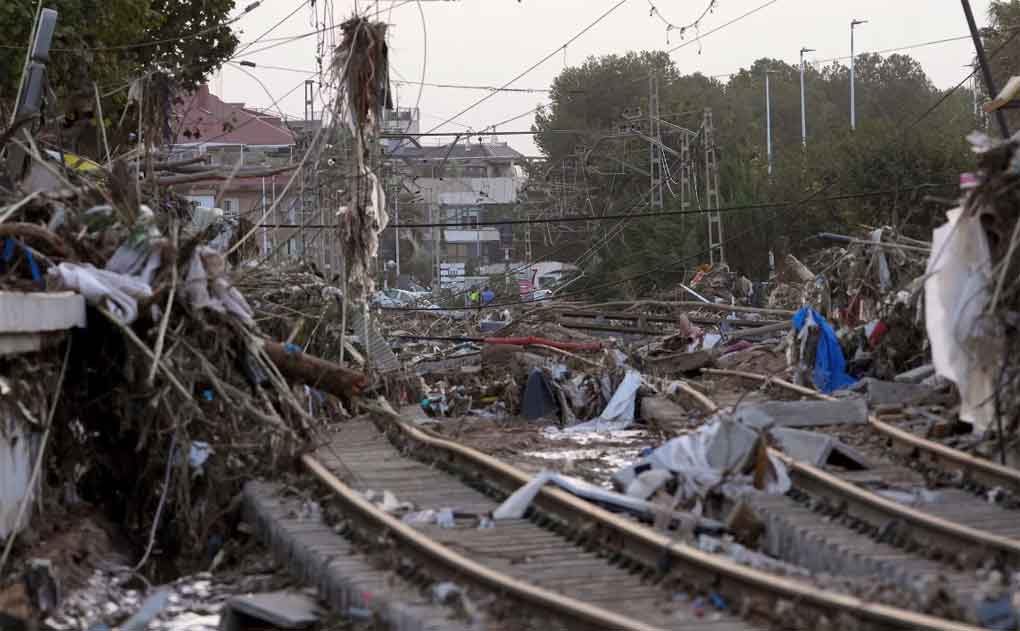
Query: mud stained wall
[{"x": 19, "y": 445}]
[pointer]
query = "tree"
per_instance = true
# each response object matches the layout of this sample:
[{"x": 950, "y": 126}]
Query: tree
[
  {"x": 908, "y": 133},
  {"x": 112, "y": 42}
]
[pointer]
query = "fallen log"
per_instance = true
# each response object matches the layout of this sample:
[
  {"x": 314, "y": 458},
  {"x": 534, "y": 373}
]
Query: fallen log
[{"x": 318, "y": 373}]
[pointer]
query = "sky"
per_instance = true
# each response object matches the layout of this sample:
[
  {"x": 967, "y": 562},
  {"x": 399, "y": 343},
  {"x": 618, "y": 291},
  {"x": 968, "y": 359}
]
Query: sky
[{"x": 490, "y": 42}]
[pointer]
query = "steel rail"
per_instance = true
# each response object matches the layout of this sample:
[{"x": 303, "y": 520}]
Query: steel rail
[
  {"x": 753, "y": 591},
  {"x": 977, "y": 469},
  {"x": 436, "y": 552},
  {"x": 944, "y": 534}
]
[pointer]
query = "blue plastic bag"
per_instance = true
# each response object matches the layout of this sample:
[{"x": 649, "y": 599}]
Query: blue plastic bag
[{"x": 830, "y": 365}]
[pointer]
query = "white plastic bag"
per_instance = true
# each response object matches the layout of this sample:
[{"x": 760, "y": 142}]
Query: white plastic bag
[
  {"x": 964, "y": 350},
  {"x": 117, "y": 292},
  {"x": 619, "y": 412}
]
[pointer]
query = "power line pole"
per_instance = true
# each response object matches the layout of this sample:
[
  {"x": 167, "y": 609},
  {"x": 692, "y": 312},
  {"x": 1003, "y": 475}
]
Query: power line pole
[
  {"x": 310, "y": 174},
  {"x": 686, "y": 174},
  {"x": 715, "y": 229},
  {"x": 768, "y": 120},
  {"x": 654, "y": 148},
  {"x": 803, "y": 112},
  {"x": 853, "y": 100}
]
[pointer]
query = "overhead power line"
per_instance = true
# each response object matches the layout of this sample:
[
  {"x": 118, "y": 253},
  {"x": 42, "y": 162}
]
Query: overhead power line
[
  {"x": 630, "y": 216},
  {"x": 722, "y": 26},
  {"x": 536, "y": 64}
]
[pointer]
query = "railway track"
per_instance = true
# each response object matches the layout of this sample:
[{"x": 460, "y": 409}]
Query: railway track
[
  {"x": 571, "y": 562},
  {"x": 839, "y": 522}
]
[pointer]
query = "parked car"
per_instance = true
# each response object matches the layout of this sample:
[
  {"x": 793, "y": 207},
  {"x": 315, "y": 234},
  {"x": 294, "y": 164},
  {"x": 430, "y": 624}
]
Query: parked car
[{"x": 395, "y": 298}]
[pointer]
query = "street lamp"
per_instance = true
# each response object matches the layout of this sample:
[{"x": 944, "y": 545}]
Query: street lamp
[
  {"x": 803, "y": 115},
  {"x": 853, "y": 103},
  {"x": 768, "y": 120}
]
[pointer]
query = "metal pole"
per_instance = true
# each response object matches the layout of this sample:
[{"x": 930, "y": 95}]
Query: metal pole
[
  {"x": 853, "y": 100},
  {"x": 986, "y": 70},
  {"x": 396, "y": 230},
  {"x": 803, "y": 114},
  {"x": 768, "y": 120},
  {"x": 853, "y": 105}
]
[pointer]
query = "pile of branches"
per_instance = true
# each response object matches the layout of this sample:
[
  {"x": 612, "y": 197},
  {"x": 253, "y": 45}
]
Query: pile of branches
[
  {"x": 294, "y": 302},
  {"x": 164, "y": 413}
]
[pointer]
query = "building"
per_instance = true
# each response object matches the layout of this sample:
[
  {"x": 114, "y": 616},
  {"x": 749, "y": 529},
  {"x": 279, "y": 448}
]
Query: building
[
  {"x": 463, "y": 183},
  {"x": 232, "y": 135}
]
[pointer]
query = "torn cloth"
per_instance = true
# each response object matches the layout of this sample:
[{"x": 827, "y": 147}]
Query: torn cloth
[{"x": 830, "y": 365}]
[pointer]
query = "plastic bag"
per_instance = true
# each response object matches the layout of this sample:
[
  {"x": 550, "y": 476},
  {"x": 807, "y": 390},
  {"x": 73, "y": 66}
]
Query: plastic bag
[
  {"x": 117, "y": 292},
  {"x": 955, "y": 295},
  {"x": 830, "y": 365}
]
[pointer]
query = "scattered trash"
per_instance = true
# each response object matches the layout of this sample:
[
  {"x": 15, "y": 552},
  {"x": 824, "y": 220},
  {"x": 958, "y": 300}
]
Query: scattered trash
[{"x": 282, "y": 610}]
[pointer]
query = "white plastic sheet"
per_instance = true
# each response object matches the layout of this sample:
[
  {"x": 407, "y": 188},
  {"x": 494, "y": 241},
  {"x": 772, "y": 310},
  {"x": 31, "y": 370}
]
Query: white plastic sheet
[
  {"x": 517, "y": 504},
  {"x": 118, "y": 293},
  {"x": 688, "y": 457},
  {"x": 956, "y": 291},
  {"x": 619, "y": 412}
]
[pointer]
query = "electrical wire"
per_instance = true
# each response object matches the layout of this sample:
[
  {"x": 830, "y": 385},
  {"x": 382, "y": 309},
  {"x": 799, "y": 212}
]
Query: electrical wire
[
  {"x": 538, "y": 63},
  {"x": 271, "y": 28},
  {"x": 648, "y": 215},
  {"x": 722, "y": 26},
  {"x": 665, "y": 267},
  {"x": 956, "y": 87}
]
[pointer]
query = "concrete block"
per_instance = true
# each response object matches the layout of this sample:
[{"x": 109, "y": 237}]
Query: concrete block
[
  {"x": 804, "y": 413},
  {"x": 917, "y": 375},
  {"x": 818, "y": 449},
  {"x": 890, "y": 392},
  {"x": 40, "y": 311},
  {"x": 661, "y": 411},
  {"x": 732, "y": 445},
  {"x": 19, "y": 447},
  {"x": 283, "y": 610}
]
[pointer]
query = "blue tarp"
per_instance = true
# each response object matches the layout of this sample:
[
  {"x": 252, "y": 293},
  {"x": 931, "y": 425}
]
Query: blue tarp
[{"x": 830, "y": 366}]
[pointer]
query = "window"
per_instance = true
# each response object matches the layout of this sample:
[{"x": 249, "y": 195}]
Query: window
[{"x": 231, "y": 207}]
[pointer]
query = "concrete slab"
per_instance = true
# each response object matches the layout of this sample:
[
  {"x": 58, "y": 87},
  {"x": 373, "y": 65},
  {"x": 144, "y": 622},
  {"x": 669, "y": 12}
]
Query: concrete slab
[
  {"x": 732, "y": 445},
  {"x": 36, "y": 312},
  {"x": 818, "y": 449},
  {"x": 852, "y": 411},
  {"x": 890, "y": 392},
  {"x": 917, "y": 375},
  {"x": 284, "y": 610}
]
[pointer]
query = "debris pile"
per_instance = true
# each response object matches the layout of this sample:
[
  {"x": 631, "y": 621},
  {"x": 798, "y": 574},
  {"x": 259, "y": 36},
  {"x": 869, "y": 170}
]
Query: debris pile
[{"x": 171, "y": 396}]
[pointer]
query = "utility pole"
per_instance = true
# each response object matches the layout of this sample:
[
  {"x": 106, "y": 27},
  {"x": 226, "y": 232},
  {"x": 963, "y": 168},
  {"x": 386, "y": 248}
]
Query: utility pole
[
  {"x": 654, "y": 148},
  {"x": 310, "y": 173},
  {"x": 853, "y": 103},
  {"x": 768, "y": 121},
  {"x": 803, "y": 114},
  {"x": 986, "y": 70},
  {"x": 686, "y": 174},
  {"x": 715, "y": 230}
]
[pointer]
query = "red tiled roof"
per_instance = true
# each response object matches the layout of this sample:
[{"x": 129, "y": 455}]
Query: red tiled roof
[{"x": 218, "y": 122}]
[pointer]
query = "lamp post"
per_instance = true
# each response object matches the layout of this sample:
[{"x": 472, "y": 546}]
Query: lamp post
[
  {"x": 853, "y": 102},
  {"x": 803, "y": 115},
  {"x": 768, "y": 121}
]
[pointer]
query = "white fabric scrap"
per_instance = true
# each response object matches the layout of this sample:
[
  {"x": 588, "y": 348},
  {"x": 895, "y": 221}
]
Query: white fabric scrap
[
  {"x": 118, "y": 293},
  {"x": 619, "y": 412},
  {"x": 964, "y": 350},
  {"x": 206, "y": 286}
]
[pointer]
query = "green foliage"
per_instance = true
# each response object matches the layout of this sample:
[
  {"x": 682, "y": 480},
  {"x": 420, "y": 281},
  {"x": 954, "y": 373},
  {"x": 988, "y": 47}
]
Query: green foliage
[
  {"x": 110, "y": 42},
  {"x": 900, "y": 142}
]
